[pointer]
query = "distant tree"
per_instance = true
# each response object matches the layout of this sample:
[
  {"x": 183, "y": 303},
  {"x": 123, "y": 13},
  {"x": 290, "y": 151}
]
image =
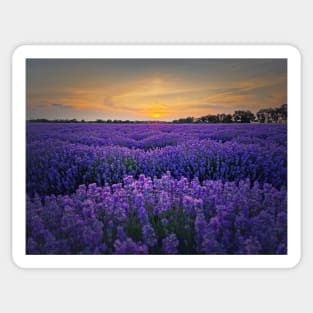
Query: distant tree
[
  {"x": 208, "y": 119},
  {"x": 39, "y": 120},
  {"x": 212, "y": 118},
  {"x": 220, "y": 117},
  {"x": 228, "y": 118},
  {"x": 241, "y": 116},
  {"x": 189, "y": 119},
  {"x": 262, "y": 115},
  {"x": 270, "y": 115},
  {"x": 224, "y": 118},
  {"x": 282, "y": 113}
]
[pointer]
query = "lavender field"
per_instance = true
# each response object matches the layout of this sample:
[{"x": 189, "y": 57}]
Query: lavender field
[{"x": 156, "y": 188}]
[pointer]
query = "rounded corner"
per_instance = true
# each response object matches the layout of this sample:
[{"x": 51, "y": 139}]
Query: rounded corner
[
  {"x": 294, "y": 262},
  {"x": 294, "y": 51},
  {"x": 17, "y": 262},
  {"x": 19, "y": 51}
]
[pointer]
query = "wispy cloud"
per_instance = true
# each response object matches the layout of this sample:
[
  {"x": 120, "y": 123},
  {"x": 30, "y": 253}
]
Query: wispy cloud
[
  {"x": 61, "y": 105},
  {"x": 136, "y": 89}
]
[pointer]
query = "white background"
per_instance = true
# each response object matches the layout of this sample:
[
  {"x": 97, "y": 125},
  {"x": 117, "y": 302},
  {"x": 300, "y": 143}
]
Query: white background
[{"x": 218, "y": 22}]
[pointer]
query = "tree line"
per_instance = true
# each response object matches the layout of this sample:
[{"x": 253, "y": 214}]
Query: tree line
[
  {"x": 99, "y": 121},
  {"x": 269, "y": 115}
]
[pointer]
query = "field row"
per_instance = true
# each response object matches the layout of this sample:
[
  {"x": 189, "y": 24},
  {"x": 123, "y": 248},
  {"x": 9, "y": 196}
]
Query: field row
[
  {"x": 57, "y": 167},
  {"x": 156, "y": 189},
  {"x": 160, "y": 216},
  {"x": 153, "y": 136}
]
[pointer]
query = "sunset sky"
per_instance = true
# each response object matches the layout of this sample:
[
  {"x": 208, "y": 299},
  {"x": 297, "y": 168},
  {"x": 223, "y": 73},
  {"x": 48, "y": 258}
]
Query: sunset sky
[{"x": 147, "y": 89}]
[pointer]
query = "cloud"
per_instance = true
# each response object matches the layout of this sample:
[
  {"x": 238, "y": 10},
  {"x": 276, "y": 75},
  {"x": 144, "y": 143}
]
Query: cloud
[
  {"x": 62, "y": 106},
  {"x": 207, "y": 106},
  {"x": 188, "y": 88}
]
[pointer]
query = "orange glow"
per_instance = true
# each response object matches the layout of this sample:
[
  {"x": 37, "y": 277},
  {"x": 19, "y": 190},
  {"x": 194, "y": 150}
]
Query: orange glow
[
  {"x": 156, "y": 115},
  {"x": 160, "y": 90}
]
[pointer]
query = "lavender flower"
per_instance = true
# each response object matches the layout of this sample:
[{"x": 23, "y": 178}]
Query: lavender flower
[
  {"x": 138, "y": 189},
  {"x": 170, "y": 244}
]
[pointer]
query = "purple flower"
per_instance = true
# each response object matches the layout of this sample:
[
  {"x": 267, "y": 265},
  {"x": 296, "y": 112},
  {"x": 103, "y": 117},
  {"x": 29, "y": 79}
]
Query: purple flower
[
  {"x": 121, "y": 235},
  {"x": 217, "y": 189},
  {"x": 170, "y": 244},
  {"x": 128, "y": 246},
  {"x": 164, "y": 222},
  {"x": 148, "y": 235},
  {"x": 252, "y": 246}
]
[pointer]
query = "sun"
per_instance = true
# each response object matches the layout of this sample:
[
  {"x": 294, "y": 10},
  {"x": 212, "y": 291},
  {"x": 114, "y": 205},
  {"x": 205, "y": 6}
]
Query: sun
[{"x": 156, "y": 115}]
